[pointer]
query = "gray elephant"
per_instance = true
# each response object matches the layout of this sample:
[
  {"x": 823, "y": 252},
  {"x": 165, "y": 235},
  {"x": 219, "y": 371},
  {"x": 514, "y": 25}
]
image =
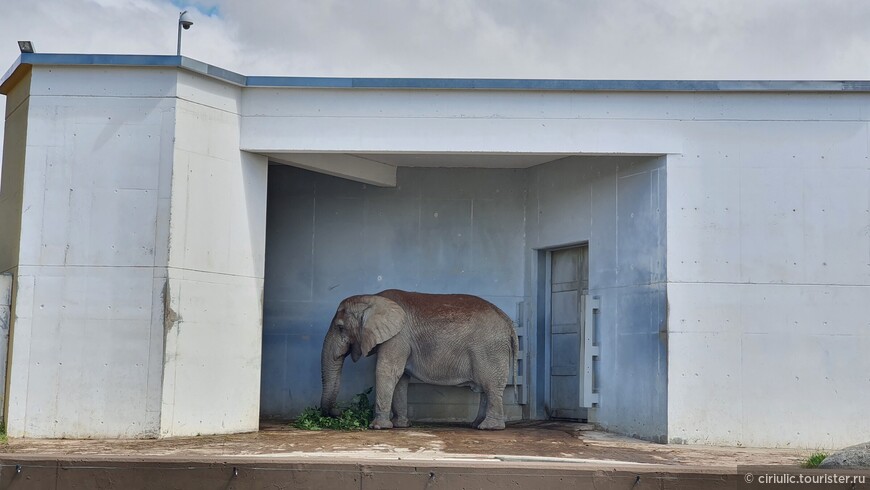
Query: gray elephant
[{"x": 442, "y": 339}]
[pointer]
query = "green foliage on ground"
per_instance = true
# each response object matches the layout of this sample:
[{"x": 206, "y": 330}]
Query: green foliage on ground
[
  {"x": 357, "y": 415},
  {"x": 4, "y": 439},
  {"x": 815, "y": 460}
]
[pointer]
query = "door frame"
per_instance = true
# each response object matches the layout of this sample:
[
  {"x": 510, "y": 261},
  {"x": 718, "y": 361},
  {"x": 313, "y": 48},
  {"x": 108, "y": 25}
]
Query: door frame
[{"x": 543, "y": 290}]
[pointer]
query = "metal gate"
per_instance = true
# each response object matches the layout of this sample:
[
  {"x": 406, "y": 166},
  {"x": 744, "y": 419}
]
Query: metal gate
[{"x": 570, "y": 331}]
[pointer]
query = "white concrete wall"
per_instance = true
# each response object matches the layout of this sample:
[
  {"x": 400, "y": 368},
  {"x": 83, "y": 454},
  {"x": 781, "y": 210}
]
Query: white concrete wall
[
  {"x": 216, "y": 256},
  {"x": 432, "y": 121},
  {"x": 768, "y": 267},
  {"x": 768, "y": 249},
  {"x": 86, "y": 354},
  {"x": 769, "y": 272},
  {"x": 137, "y": 300}
]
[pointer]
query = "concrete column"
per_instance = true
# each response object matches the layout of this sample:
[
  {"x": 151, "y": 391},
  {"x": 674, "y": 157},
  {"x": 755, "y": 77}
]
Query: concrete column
[
  {"x": 214, "y": 289},
  {"x": 137, "y": 238}
]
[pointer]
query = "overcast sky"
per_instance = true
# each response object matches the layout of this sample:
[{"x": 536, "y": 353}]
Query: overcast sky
[
  {"x": 661, "y": 39},
  {"x": 615, "y": 39}
]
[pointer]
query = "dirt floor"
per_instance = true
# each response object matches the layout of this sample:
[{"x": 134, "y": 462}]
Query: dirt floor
[{"x": 526, "y": 441}]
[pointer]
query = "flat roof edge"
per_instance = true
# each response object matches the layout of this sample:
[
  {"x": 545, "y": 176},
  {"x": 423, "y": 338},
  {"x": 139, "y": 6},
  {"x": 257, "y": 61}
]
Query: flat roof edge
[{"x": 564, "y": 85}]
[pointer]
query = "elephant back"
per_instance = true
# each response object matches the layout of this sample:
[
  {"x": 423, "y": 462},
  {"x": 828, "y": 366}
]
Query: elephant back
[{"x": 449, "y": 309}]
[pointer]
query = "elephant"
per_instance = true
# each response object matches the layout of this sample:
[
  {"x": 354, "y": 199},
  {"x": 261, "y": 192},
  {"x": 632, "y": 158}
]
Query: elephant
[{"x": 442, "y": 339}]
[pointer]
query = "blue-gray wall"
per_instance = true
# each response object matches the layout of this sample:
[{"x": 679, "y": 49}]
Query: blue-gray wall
[
  {"x": 475, "y": 231},
  {"x": 617, "y": 205},
  {"x": 439, "y": 231}
]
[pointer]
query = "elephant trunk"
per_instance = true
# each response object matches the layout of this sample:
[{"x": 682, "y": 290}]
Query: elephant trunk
[{"x": 331, "y": 363}]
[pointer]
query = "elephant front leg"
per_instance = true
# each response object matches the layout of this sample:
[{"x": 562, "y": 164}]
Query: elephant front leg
[
  {"x": 387, "y": 376},
  {"x": 400, "y": 403}
]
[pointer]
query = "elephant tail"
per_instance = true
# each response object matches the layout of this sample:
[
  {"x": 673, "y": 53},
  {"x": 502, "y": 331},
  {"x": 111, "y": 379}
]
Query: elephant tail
[{"x": 515, "y": 352}]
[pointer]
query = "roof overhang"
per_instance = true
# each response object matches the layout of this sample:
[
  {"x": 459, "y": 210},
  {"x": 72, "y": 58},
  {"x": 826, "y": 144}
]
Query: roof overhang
[{"x": 27, "y": 60}]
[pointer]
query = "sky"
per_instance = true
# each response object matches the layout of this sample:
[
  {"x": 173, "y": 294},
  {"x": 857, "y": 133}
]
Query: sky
[
  {"x": 577, "y": 39},
  {"x": 621, "y": 39}
]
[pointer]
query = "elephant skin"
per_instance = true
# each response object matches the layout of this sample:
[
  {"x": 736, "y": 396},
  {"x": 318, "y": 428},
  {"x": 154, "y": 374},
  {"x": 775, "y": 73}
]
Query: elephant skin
[{"x": 442, "y": 339}]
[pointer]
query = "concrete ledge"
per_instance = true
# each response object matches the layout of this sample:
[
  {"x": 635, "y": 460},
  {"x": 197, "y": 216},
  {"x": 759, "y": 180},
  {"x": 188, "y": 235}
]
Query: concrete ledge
[{"x": 51, "y": 472}]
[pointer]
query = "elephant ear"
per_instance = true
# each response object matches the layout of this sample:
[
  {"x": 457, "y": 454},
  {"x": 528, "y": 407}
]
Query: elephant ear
[{"x": 381, "y": 320}]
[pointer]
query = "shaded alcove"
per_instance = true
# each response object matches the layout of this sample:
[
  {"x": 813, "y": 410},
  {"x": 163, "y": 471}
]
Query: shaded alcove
[{"x": 463, "y": 230}]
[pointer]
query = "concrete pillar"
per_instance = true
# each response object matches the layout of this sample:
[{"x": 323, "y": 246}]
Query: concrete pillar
[
  {"x": 214, "y": 288},
  {"x": 137, "y": 239}
]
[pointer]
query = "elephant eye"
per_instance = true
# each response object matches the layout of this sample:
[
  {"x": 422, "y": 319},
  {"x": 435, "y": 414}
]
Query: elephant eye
[{"x": 339, "y": 323}]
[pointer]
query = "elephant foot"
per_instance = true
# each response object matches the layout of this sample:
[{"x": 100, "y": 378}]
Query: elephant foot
[
  {"x": 401, "y": 423},
  {"x": 381, "y": 424},
  {"x": 491, "y": 424},
  {"x": 476, "y": 423}
]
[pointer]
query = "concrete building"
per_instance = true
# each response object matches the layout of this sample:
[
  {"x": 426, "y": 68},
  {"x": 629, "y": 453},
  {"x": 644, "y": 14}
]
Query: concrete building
[{"x": 686, "y": 262}]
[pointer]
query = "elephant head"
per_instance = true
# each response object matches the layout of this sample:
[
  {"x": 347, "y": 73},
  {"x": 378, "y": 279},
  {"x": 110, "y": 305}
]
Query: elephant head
[{"x": 359, "y": 325}]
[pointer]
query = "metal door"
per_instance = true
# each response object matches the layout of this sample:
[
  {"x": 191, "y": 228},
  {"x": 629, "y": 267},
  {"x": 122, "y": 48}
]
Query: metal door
[{"x": 569, "y": 284}]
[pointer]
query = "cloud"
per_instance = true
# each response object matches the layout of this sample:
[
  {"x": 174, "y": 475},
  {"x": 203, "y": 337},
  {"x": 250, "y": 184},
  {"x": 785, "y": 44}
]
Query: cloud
[{"x": 676, "y": 39}]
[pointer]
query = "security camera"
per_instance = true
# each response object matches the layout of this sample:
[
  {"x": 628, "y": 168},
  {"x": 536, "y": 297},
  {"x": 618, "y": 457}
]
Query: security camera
[{"x": 184, "y": 20}]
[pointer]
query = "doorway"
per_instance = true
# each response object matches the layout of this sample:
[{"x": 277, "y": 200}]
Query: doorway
[{"x": 568, "y": 288}]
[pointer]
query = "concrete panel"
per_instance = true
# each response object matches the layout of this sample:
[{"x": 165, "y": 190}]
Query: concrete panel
[
  {"x": 731, "y": 345},
  {"x": 339, "y": 231},
  {"x": 213, "y": 356},
  {"x": 445, "y": 239},
  {"x": 434, "y": 135},
  {"x": 705, "y": 366},
  {"x": 276, "y": 387},
  {"x": 97, "y": 177},
  {"x": 206, "y": 91},
  {"x": 453, "y": 104},
  {"x": 291, "y": 267},
  {"x": 768, "y": 261},
  {"x": 698, "y": 107},
  {"x": 779, "y": 107},
  {"x": 640, "y": 251},
  {"x": 78, "y": 81},
  {"x": 393, "y": 242},
  {"x": 823, "y": 371},
  {"x": 786, "y": 144},
  {"x": 707, "y": 221},
  {"x": 86, "y": 347},
  {"x": 562, "y": 203},
  {"x": 497, "y": 239},
  {"x": 81, "y": 320}
]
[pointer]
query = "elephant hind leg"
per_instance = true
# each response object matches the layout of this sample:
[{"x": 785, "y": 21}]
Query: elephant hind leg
[
  {"x": 494, "y": 419},
  {"x": 481, "y": 411}
]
